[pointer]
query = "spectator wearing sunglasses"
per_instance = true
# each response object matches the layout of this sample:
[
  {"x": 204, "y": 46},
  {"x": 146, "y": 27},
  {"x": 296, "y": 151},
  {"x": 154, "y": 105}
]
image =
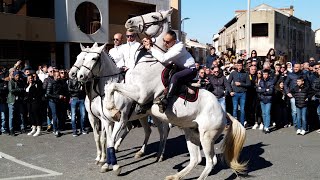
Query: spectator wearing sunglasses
[{"x": 115, "y": 51}]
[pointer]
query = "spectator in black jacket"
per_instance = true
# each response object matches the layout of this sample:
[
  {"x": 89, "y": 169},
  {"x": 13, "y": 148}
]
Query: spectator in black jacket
[
  {"x": 239, "y": 81},
  {"x": 301, "y": 94},
  {"x": 34, "y": 95},
  {"x": 316, "y": 89},
  {"x": 251, "y": 101},
  {"x": 254, "y": 57},
  {"x": 3, "y": 99},
  {"x": 46, "y": 110},
  {"x": 202, "y": 79},
  {"x": 280, "y": 105},
  {"x": 289, "y": 84},
  {"x": 265, "y": 90},
  {"x": 56, "y": 94},
  {"x": 219, "y": 86},
  {"x": 77, "y": 93},
  {"x": 211, "y": 57}
]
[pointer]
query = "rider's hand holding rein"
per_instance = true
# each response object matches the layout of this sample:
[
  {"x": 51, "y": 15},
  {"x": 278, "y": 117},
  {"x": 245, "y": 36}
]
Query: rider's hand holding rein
[{"x": 147, "y": 43}]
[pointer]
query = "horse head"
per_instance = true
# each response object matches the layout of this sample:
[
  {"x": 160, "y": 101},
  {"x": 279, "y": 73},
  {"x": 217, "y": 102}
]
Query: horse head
[
  {"x": 87, "y": 70},
  {"x": 151, "y": 24},
  {"x": 80, "y": 59}
]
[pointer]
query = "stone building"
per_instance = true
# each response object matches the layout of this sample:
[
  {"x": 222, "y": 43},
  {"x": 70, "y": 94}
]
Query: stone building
[{"x": 270, "y": 28}]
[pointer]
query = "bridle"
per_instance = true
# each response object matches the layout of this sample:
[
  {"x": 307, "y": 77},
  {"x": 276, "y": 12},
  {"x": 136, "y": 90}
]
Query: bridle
[
  {"x": 98, "y": 61},
  {"x": 82, "y": 60},
  {"x": 145, "y": 25}
]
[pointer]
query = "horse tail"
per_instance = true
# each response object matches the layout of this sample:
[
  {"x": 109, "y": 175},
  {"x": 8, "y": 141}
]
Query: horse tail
[{"x": 233, "y": 145}]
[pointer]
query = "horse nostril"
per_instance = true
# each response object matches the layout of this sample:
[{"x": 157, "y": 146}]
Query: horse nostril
[
  {"x": 73, "y": 74},
  {"x": 129, "y": 21},
  {"x": 81, "y": 76}
]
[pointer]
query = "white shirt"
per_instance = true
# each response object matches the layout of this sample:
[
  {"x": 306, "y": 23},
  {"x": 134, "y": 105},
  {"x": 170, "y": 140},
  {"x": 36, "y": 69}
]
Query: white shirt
[
  {"x": 129, "y": 53},
  {"x": 42, "y": 75},
  {"x": 176, "y": 54},
  {"x": 115, "y": 53}
]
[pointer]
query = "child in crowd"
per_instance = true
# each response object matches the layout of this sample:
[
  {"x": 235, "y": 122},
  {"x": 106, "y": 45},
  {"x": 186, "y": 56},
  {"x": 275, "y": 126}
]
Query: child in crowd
[{"x": 301, "y": 92}]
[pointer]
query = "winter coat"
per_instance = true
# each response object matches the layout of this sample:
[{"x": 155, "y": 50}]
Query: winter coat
[
  {"x": 265, "y": 90},
  {"x": 16, "y": 91},
  {"x": 34, "y": 93},
  {"x": 76, "y": 89},
  {"x": 291, "y": 81},
  {"x": 241, "y": 77},
  {"x": 219, "y": 85},
  {"x": 301, "y": 95},
  {"x": 55, "y": 89},
  {"x": 316, "y": 87}
]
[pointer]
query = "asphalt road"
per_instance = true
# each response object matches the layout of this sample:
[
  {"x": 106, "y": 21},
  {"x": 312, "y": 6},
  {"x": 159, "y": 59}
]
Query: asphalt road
[{"x": 279, "y": 155}]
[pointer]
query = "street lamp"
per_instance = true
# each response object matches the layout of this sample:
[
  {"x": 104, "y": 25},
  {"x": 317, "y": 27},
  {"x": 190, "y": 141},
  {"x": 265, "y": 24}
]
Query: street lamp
[
  {"x": 248, "y": 28},
  {"x": 182, "y": 23}
]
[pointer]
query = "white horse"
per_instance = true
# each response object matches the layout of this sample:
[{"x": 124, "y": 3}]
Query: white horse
[
  {"x": 203, "y": 121},
  {"x": 94, "y": 119},
  {"x": 100, "y": 66}
]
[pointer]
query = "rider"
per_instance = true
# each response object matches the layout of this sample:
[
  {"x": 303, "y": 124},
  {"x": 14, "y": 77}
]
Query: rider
[
  {"x": 115, "y": 51},
  {"x": 128, "y": 50},
  {"x": 177, "y": 54}
]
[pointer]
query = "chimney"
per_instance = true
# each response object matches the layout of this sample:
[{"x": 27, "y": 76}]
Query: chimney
[{"x": 291, "y": 11}]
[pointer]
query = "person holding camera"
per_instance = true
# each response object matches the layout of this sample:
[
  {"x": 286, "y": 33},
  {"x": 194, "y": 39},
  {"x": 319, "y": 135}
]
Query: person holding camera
[{"x": 202, "y": 79}]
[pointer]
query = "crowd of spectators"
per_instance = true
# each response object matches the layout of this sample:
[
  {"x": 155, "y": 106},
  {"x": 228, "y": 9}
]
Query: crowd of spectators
[
  {"x": 264, "y": 92},
  {"x": 32, "y": 99}
]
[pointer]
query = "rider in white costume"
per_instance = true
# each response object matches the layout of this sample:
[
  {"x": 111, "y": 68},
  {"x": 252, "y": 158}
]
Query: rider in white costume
[
  {"x": 115, "y": 52},
  {"x": 178, "y": 55},
  {"x": 128, "y": 50}
]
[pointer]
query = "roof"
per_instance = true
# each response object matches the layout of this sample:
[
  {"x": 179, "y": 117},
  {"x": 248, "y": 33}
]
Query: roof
[{"x": 194, "y": 43}]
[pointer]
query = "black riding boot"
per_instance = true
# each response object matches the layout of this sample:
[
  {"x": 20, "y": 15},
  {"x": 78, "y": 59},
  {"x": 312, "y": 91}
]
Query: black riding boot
[{"x": 165, "y": 100}]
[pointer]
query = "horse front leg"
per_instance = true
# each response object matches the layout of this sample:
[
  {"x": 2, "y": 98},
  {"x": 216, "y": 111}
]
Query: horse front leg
[
  {"x": 111, "y": 153},
  {"x": 131, "y": 91},
  {"x": 94, "y": 122}
]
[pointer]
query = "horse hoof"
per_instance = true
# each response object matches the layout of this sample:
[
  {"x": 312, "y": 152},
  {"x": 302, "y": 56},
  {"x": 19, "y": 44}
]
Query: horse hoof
[
  {"x": 100, "y": 164},
  {"x": 138, "y": 155},
  {"x": 104, "y": 168},
  {"x": 172, "y": 177},
  {"x": 117, "y": 169},
  {"x": 160, "y": 159},
  {"x": 96, "y": 162}
]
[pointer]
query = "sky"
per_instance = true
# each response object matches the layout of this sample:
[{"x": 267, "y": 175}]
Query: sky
[{"x": 207, "y": 17}]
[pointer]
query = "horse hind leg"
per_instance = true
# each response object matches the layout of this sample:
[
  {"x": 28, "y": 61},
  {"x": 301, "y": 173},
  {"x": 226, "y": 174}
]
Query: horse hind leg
[
  {"x": 207, "y": 139},
  {"x": 193, "y": 144},
  {"x": 147, "y": 133},
  {"x": 126, "y": 131}
]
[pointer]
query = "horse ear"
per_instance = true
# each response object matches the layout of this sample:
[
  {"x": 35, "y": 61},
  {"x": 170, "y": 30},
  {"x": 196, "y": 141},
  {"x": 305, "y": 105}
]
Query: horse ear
[
  {"x": 167, "y": 13},
  {"x": 82, "y": 47},
  {"x": 170, "y": 11},
  {"x": 95, "y": 45},
  {"x": 101, "y": 48}
]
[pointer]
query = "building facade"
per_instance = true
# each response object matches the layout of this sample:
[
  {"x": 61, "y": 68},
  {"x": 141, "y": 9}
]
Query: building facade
[
  {"x": 50, "y": 31},
  {"x": 317, "y": 41},
  {"x": 270, "y": 28}
]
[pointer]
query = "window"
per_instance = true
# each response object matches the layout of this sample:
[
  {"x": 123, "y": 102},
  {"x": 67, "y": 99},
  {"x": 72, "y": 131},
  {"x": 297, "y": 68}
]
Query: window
[
  {"x": 260, "y": 30},
  {"x": 284, "y": 32},
  {"x": 278, "y": 28}
]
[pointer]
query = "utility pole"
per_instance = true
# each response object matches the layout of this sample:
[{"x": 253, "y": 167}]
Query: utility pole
[{"x": 248, "y": 35}]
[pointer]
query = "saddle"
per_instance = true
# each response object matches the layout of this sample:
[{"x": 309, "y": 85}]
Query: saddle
[{"x": 187, "y": 90}]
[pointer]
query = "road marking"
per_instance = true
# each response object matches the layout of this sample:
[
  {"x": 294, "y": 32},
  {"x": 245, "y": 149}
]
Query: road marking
[{"x": 11, "y": 158}]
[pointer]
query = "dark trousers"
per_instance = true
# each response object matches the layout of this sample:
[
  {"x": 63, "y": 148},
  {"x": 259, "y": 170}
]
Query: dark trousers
[
  {"x": 35, "y": 115},
  {"x": 185, "y": 75}
]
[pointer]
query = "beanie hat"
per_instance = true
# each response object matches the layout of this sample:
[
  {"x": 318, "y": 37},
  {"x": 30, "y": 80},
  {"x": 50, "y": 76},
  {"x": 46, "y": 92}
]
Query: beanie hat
[{"x": 15, "y": 73}]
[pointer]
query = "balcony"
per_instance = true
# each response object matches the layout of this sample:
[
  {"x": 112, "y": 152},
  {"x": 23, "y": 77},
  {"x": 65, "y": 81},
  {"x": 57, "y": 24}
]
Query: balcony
[{"x": 19, "y": 27}]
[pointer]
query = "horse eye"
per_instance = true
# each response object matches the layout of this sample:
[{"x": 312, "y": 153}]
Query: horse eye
[{"x": 155, "y": 17}]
